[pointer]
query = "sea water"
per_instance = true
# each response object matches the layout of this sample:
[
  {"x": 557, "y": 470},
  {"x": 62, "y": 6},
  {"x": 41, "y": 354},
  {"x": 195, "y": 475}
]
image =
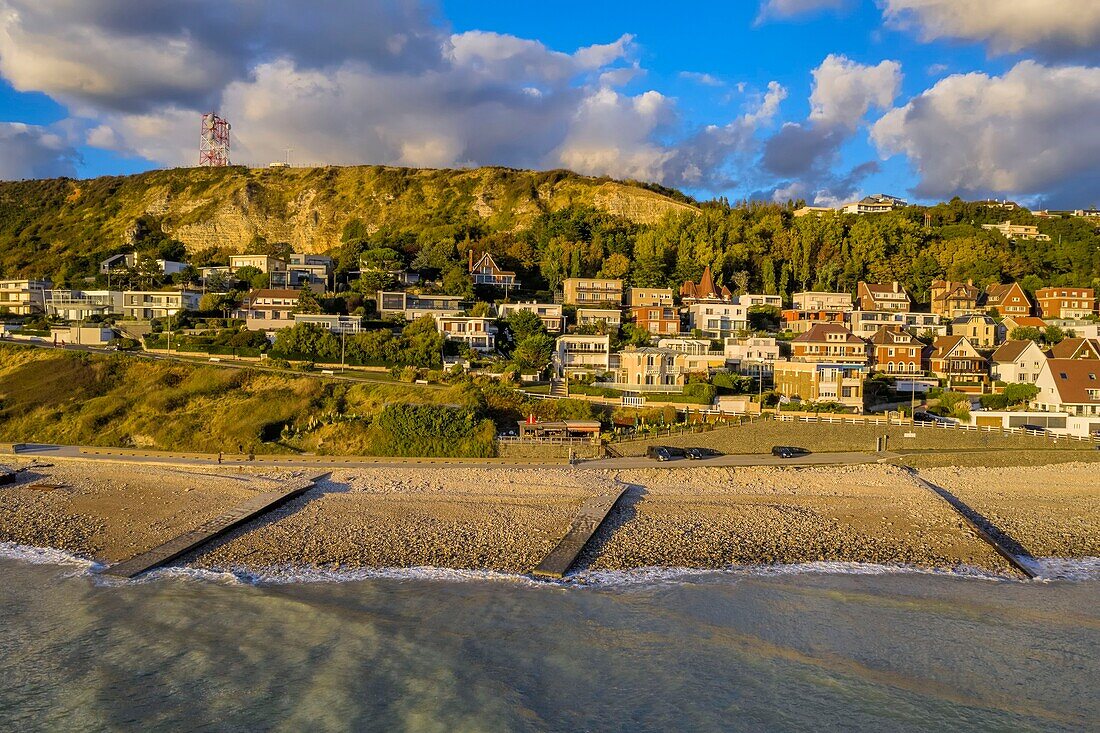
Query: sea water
[{"x": 810, "y": 648}]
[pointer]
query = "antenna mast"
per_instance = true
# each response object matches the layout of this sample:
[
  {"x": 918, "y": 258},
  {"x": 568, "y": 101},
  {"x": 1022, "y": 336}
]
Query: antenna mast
[{"x": 214, "y": 141}]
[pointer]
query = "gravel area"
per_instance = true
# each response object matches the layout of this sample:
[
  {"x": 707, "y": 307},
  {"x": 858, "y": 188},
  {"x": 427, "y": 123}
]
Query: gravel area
[{"x": 507, "y": 518}]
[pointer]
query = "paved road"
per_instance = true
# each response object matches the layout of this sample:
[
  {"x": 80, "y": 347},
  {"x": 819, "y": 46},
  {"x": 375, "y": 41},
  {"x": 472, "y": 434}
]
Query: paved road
[
  {"x": 754, "y": 459},
  {"x": 47, "y": 452}
]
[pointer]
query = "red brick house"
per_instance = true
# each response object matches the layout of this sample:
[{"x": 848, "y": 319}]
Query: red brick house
[
  {"x": 659, "y": 320},
  {"x": 896, "y": 351},
  {"x": 1009, "y": 300}
]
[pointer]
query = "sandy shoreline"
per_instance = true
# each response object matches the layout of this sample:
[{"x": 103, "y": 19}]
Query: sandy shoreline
[{"x": 506, "y": 519}]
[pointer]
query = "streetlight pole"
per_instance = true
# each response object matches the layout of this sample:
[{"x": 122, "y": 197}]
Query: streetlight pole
[{"x": 170, "y": 313}]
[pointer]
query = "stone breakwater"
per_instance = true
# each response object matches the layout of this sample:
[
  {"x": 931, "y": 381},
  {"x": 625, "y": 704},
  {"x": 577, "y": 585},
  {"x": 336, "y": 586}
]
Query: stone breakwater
[{"x": 506, "y": 519}]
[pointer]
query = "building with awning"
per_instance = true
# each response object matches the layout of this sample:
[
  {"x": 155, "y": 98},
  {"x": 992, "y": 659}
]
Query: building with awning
[{"x": 559, "y": 429}]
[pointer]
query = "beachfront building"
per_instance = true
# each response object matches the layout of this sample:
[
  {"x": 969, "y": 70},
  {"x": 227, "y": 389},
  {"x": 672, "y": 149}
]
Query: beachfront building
[
  {"x": 486, "y": 271},
  {"x": 1066, "y": 302},
  {"x": 79, "y": 305},
  {"x": 1076, "y": 347},
  {"x": 955, "y": 359},
  {"x": 269, "y": 309},
  {"x": 824, "y": 382},
  {"x": 1009, "y": 300},
  {"x": 145, "y": 305},
  {"x": 829, "y": 343},
  {"x": 411, "y": 306},
  {"x": 819, "y": 301},
  {"x": 1017, "y": 231},
  {"x": 582, "y": 354},
  {"x": 549, "y": 313},
  {"x": 1017, "y": 362},
  {"x": 951, "y": 299},
  {"x": 650, "y": 368},
  {"x": 658, "y": 320},
  {"x": 883, "y": 297},
  {"x": 477, "y": 332},
  {"x": 592, "y": 292},
  {"x": 980, "y": 329},
  {"x": 716, "y": 319},
  {"x": 1069, "y": 385},
  {"x": 23, "y": 297},
  {"x": 651, "y": 298},
  {"x": 754, "y": 356},
  {"x": 895, "y": 351},
  {"x": 705, "y": 291}
]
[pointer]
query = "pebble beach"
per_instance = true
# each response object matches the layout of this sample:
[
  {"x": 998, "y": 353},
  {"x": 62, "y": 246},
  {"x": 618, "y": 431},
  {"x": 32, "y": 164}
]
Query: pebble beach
[{"x": 507, "y": 519}]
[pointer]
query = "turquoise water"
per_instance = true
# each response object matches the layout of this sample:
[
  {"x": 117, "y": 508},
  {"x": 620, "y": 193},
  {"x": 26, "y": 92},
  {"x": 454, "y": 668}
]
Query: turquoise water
[{"x": 434, "y": 651}]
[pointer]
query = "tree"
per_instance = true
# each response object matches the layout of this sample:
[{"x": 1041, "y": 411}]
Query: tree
[
  {"x": 307, "y": 302},
  {"x": 309, "y": 340},
  {"x": 524, "y": 324},
  {"x": 456, "y": 281},
  {"x": 534, "y": 353},
  {"x": 634, "y": 335},
  {"x": 1026, "y": 333},
  {"x": 251, "y": 277},
  {"x": 481, "y": 309},
  {"x": 615, "y": 266}
]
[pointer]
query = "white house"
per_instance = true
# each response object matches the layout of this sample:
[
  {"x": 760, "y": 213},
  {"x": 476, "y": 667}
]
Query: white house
[
  {"x": 1069, "y": 385},
  {"x": 1017, "y": 362},
  {"x": 477, "y": 332},
  {"x": 579, "y": 354},
  {"x": 718, "y": 320}
]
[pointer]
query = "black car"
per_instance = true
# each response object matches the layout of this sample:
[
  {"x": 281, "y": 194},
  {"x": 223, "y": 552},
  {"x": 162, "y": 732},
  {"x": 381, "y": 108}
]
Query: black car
[
  {"x": 698, "y": 453},
  {"x": 664, "y": 452},
  {"x": 1034, "y": 428},
  {"x": 789, "y": 451}
]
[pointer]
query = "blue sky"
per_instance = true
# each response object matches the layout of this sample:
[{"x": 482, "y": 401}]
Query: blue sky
[{"x": 921, "y": 98}]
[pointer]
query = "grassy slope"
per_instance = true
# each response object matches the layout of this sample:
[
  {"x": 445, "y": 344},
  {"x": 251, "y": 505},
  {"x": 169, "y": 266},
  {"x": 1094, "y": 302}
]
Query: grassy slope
[{"x": 74, "y": 398}]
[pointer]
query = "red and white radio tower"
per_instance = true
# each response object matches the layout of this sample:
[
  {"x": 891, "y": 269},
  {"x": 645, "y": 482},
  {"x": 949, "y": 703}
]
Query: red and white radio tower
[{"x": 214, "y": 141}]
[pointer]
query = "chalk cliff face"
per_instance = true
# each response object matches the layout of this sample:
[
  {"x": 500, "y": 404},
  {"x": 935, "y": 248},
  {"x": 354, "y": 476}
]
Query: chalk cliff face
[{"x": 306, "y": 207}]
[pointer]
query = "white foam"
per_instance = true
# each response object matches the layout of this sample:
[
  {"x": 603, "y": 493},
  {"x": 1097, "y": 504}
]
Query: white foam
[
  {"x": 1067, "y": 568},
  {"x": 45, "y": 556}
]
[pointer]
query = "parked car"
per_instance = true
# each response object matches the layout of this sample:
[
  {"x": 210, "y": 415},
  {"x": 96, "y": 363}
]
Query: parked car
[
  {"x": 1034, "y": 428},
  {"x": 931, "y": 417},
  {"x": 698, "y": 453},
  {"x": 789, "y": 451},
  {"x": 664, "y": 452}
]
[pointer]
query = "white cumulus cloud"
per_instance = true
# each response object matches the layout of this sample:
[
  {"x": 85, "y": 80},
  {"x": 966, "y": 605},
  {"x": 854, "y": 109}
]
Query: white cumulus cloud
[{"x": 1032, "y": 131}]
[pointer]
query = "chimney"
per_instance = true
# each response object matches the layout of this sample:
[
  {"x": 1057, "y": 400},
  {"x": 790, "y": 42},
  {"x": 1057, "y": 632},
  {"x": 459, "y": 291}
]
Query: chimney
[
  {"x": 894, "y": 284},
  {"x": 471, "y": 253}
]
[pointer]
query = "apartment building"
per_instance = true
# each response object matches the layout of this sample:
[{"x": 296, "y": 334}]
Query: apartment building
[
  {"x": 267, "y": 264},
  {"x": 610, "y": 317},
  {"x": 411, "y": 306},
  {"x": 269, "y": 309},
  {"x": 651, "y": 298},
  {"x": 477, "y": 332},
  {"x": 145, "y": 305},
  {"x": 866, "y": 324},
  {"x": 752, "y": 355},
  {"x": 24, "y": 297},
  {"x": 588, "y": 291},
  {"x": 79, "y": 305},
  {"x": 336, "y": 323},
  {"x": 818, "y": 301},
  {"x": 304, "y": 270},
  {"x": 1066, "y": 302},
  {"x": 878, "y": 203},
  {"x": 829, "y": 343},
  {"x": 658, "y": 320},
  {"x": 718, "y": 320},
  {"x": 698, "y": 357},
  {"x": 1017, "y": 231},
  {"x": 582, "y": 354},
  {"x": 801, "y": 321},
  {"x": 750, "y": 299},
  {"x": 649, "y": 368},
  {"x": 549, "y": 313},
  {"x": 808, "y": 382}
]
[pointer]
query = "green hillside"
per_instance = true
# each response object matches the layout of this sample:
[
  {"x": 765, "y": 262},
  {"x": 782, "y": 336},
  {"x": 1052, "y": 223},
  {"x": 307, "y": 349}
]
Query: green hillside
[{"x": 61, "y": 227}]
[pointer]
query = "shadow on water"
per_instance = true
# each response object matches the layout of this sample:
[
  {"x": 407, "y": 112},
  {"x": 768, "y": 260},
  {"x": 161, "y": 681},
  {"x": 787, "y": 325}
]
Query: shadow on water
[{"x": 624, "y": 511}]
